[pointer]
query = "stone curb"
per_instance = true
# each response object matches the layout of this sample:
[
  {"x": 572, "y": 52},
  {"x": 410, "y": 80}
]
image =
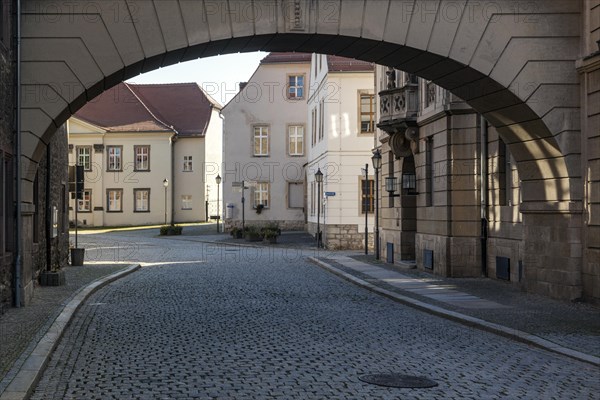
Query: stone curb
[
  {"x": 501, "y": 330},
  {"x": 23, "y": 383}
]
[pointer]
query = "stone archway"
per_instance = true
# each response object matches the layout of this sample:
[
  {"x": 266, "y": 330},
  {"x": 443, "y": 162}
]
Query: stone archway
[{"x": 511, "y": 61}]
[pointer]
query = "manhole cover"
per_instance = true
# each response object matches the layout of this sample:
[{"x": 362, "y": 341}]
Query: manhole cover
[{"x": 398, "y": 381}]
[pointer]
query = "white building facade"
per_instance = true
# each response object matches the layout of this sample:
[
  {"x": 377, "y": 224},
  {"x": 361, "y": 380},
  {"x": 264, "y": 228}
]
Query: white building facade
[
  {"x": 150, "y": 155},
  {"x": 264, "y": 145},
  {"x": 341, "y": 128}
]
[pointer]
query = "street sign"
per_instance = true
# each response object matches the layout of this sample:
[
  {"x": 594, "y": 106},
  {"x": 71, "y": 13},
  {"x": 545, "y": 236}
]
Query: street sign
[{"x": 329, "y": 194}]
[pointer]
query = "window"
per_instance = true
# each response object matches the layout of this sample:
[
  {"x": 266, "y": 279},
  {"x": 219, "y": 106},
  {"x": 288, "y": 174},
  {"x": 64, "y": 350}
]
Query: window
[
  {"x": 429, "y": 171},
  {"x": 84, "y": 157},
  {"x": 314, "y": 126},
  {"x": 114, "y": 201},
  {"x": 321, "y": 119},
  {"x": 367, "y": 113},
  {"x": 142, "y": 158},
  {"x": 296, "y": 87},
  {"x": 295, "y": 195},
  {"x": 261, "y": 194},
  {"x": 188, "y": 165},
  {"x": 141, "y": 200},
  {"x": 7, "y": 203},
  {"x": 367, "y": 195},
  {"x": 313, "y": 193},
  {"x": 504, "y": 175},
  {"x": 186, "y": 202},
  {"x": 85, "y": 204},
  {"x": 115, "y": 158},
  {"x": 261, "y": 140},
  {"x": 430, "y": 93},
  {"x": 296, "y": 140}
]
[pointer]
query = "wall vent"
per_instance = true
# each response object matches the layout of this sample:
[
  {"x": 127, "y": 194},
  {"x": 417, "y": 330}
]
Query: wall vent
[
  {"x": 428, "y": 259},
  {"x": 503, "y": 268}
]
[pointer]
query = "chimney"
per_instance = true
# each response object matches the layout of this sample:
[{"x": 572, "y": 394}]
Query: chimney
[{"x": 243, "y": 85}]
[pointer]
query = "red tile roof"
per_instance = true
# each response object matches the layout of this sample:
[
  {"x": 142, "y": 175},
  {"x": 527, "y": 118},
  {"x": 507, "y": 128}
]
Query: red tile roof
[
  {"x": 180, "y": 107},
  {"x": 286, "y": 57},
  {"x": 343, "y": 64}
]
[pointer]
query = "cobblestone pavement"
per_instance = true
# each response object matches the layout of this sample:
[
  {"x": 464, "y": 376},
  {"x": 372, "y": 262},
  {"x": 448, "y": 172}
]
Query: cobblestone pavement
[
  {"x": 19, "y": 328},
  {"x": 217, "y": 322}
]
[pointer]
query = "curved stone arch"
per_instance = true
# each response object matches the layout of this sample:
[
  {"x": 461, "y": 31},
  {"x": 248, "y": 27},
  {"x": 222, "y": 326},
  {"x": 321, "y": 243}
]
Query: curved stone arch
[{"x": 511, "y": 61}]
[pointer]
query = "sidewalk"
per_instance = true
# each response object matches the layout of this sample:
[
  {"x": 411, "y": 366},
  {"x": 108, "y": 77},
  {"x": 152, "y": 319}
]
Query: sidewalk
[
  {"x": 572, "y": 329},
  {"x": 23, "y": 330}
]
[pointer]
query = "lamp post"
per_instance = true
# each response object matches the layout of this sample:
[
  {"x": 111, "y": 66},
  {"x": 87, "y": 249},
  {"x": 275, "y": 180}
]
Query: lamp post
[
  {"x": 166, "y": 185},
  {"x": 218, "y": 181},
  {"x": 376, "y": 165},
  {"x": 243, "y": 207},
  {"x": 365, "y": 202},
  {"x": 319, "y": 179}
]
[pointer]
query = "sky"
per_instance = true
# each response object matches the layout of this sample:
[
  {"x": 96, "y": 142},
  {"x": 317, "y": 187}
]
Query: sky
[{"x": 219, "y": 76}]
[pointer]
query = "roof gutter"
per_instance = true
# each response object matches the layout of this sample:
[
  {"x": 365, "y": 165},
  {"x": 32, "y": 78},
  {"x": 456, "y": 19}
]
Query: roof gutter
[{"x": 18, "y": 164}]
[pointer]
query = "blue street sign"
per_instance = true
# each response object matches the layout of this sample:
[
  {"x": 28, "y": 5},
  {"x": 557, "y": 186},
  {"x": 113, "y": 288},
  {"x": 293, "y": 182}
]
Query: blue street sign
[{"x": 329, "y": 194}]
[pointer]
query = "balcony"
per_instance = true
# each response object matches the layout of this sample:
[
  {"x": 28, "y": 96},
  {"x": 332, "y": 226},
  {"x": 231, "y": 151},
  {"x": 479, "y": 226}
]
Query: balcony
[{"x": 398, "y": 108}]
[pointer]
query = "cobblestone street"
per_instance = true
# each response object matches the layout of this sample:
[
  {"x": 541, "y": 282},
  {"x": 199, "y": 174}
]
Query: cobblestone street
[{"x": 209, "y": 321}]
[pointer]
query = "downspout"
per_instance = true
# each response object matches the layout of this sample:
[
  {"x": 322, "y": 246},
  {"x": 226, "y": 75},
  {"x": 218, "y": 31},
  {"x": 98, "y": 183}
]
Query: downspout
[
  {"x": 173, "y": 141},
  {"x": 18, "y": 217},
  {"x": 483, "y": 179},
  {"x": 48, "y": 229}
]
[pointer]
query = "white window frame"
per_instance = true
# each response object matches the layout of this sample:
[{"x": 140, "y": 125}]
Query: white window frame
[
  {"x": 295, "y": 140},
  {"x": 295, "y": 86},
  {"x": 117, "y": 200},
  {"x": 263, "y": 133},
  {"x": 186, "y": 202},
  {"x": 115, "y": 158},
  {"x": 370, "y": 112},
  {"x": 85, "y": 204},
  {"x": 87, "y": 165},
  {"x": 261, "y": 194},
  {"x": 137, "y": 200},
  {"x": 145, "y": 158},
  {"x": 188, "y": 163}
]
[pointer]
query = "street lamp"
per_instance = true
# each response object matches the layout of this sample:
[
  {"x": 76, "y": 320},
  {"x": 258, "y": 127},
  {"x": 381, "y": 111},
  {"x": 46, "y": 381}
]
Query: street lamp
[
  {"x": 218, "y": 180},
  {"x": 319, "y": 179},
  {"x": 376, "y": 165},
  {"x": 166, "y": 185},
  {"x": 243, "y": 207},
  {"x": 365, "y": 202}
]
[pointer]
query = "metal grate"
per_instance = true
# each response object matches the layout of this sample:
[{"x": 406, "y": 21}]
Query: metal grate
[{"x": 398, "y": 381}]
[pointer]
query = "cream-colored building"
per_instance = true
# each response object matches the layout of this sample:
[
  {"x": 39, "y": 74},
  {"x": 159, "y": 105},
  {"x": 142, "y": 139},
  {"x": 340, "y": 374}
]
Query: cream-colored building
[
  {"x": 341, "y": 119},
  {"x": 265, "y": 144},
  {"x": 150, "y": 154}
]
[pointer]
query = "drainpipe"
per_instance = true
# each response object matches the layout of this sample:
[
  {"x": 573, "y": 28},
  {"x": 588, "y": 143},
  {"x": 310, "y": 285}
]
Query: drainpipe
[
  {"x": 173, "y": 141},
  {"x": 18, "y": 217},
  {"x": 48, "y": 229},
  {"x": 483, "y": 178}
]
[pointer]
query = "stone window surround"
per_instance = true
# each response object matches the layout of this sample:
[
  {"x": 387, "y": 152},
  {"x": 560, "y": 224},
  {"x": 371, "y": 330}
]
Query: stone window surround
[
  {"x": 371, "y": 195},
  {"x": 89, "y": 210},
  {"x": 108, "y": 191},
  {"x": 135, "y": 199},
  {"x": 296, "y": 86},
  {"x": 188, "y": 164},
  {"x": 303, "y": 136},
  {"x": 135, "y": 155},
  {"x": 185, "y": 200},
  {"x": 89, "y": 148},
  {"x": 256, "y": 192},
  {"x": 120, "y": 169},
  {"x": 360, "y": 94},
  {"x": 254, "y": 137}
]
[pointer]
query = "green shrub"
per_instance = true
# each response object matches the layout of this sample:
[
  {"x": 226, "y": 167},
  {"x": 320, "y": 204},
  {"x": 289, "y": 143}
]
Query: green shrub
[{"x": 170, "y": 230}]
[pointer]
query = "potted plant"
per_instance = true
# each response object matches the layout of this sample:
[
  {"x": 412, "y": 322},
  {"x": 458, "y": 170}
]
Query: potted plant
[
  {"x": 236, "y": 233},
  {"x": 270, "y": 235},
  {"x": 253, "y": 234},
  {"x": 170, "y": 230},
  {"x": 259, "y": 208}
]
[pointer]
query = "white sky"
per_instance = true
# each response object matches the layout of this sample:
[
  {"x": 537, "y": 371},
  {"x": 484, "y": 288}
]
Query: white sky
[{"x": 219, "y": 76}]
